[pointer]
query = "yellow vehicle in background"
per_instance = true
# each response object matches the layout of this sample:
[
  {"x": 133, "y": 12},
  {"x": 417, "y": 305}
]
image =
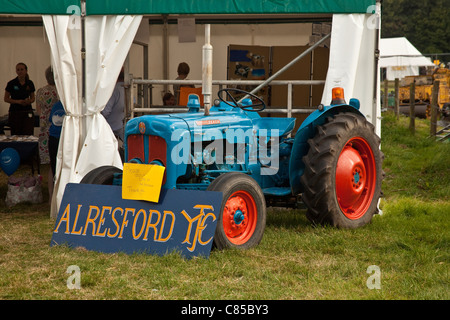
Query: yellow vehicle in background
[{"x": 423, "y": 92}]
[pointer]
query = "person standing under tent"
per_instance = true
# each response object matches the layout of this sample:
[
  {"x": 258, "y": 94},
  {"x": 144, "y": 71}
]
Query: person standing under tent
[
  {"x": 46, "y": 97},
  {"x": 114, "y": 111},
  {"x": 56, "y": 119},
  {"x": 19, "y": 93}
]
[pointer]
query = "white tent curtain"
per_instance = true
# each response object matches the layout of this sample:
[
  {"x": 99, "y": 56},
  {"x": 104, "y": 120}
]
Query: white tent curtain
[
  {"x": 351, "y": 64},
  {"x": 86, "y": 141}
]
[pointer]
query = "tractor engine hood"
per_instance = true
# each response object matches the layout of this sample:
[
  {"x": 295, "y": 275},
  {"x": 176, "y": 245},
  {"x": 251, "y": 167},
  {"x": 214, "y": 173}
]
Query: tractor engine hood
[{"x": 232, "y": 125}]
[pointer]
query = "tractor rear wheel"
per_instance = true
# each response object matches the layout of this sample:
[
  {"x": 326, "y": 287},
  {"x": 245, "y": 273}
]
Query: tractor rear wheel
[
  {"x": 102, "y": 175},
  {"x": 343, "y": 172},
  {"x": 242, "y": 218}
]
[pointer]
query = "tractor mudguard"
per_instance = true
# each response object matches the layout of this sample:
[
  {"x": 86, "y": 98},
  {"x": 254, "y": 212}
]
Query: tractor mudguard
[{"x": 306, "y": 131}]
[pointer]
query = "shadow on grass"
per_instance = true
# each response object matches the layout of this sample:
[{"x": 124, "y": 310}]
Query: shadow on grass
[{"x": 287, "y": 218}]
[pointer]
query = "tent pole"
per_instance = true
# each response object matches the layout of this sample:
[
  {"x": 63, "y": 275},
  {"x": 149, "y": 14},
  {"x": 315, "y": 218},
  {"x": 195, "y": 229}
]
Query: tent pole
[
  {"x": 165, "y": 51},
  {"x": 83, "y": 50},
  {"x": 377, "y": 58},
  {"x": 83, "y": 71}
]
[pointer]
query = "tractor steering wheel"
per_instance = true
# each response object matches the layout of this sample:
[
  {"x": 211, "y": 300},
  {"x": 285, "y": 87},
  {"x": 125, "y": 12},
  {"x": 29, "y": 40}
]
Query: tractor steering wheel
[{"x": 235, "y": 104}]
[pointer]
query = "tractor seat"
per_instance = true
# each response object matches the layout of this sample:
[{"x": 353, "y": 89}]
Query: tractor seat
[{"x": 284, "y": 125}]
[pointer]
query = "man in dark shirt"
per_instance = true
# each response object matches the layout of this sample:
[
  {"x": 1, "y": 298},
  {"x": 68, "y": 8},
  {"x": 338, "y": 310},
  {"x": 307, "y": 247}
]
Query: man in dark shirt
[{"x": 19, "y": 92}]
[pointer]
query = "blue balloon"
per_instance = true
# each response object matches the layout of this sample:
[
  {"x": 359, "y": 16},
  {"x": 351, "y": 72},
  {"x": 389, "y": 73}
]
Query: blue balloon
[{"x": 9, "y": 160}]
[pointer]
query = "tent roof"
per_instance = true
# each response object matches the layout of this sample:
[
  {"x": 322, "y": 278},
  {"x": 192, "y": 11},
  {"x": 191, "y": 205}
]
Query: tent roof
[
  {"x": 400, "y": 52},
  {"x": 117, "y": 7}
]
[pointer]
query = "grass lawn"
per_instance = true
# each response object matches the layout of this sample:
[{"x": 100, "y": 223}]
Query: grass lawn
[{"x": 407, "y": 246}]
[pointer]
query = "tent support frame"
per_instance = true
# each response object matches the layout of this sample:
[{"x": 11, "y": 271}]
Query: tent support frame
[{"x": 377, "y": 58}]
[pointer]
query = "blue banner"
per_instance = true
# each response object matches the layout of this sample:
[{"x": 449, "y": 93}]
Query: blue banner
[{"x": 97, "y": 218}]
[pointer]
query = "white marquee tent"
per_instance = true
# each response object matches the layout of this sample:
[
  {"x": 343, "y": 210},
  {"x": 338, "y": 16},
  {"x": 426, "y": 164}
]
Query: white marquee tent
[
  {"x": 87, "y": 63},
  {"x": 401, "y": 58}
]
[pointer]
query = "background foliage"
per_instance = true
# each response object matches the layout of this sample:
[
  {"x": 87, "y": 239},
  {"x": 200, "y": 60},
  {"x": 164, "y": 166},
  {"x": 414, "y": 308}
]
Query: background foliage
[{"x": 425, "y": 23}]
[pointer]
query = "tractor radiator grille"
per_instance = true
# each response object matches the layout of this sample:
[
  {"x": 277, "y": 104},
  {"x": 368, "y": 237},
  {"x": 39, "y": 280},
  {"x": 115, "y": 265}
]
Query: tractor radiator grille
[{"x": 147, "y": 148}]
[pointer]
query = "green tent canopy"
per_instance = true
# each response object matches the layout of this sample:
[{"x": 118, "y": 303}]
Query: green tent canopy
[
  {"x": 141, "y": 7},
  {"x": 56, "y": 7}
]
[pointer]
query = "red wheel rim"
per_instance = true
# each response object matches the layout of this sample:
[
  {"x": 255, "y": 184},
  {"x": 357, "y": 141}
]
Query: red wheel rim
[
  {"x": 239, "y": 217},
  {"x": 355, "y": 178}
]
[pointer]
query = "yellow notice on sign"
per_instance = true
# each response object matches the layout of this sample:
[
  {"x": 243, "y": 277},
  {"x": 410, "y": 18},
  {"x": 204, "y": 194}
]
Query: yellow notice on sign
[{"x": 142, "y": 181}]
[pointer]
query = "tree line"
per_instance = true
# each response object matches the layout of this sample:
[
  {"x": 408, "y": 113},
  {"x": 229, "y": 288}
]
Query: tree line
[{"x": 425, "y": 23}]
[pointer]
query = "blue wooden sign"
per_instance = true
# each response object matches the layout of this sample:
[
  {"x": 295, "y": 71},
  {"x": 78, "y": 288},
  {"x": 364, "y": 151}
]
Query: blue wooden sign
[{"x": 97, "y": 218}]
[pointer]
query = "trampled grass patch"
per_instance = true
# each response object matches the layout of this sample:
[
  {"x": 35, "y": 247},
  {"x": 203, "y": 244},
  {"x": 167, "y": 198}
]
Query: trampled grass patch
[{"x": 408, "y": 244}]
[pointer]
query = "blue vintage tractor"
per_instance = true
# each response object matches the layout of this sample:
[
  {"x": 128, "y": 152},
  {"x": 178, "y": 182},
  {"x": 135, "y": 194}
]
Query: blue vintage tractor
[{"x": 333, "y": 163}]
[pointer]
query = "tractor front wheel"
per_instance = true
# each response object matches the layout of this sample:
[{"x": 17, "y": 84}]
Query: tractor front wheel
[
  {"x": 343, "y": 172},
  {"x": 242, "y": 217},
  {"x": 102, "y": 175}
]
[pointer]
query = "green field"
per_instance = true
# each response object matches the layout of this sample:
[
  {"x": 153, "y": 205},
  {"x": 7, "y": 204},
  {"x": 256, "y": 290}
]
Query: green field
[{"x": 408, "y": 246}]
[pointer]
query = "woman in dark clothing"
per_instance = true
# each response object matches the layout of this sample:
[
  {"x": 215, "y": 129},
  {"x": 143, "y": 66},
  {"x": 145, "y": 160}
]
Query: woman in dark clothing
[{"x": 19, "y": 93}]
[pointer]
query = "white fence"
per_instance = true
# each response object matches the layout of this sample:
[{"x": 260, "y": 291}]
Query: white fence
[{"x": 138, "y": 86}]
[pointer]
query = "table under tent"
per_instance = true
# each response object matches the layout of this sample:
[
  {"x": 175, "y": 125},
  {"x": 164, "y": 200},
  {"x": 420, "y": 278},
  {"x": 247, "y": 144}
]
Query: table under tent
[{"x": 90, "y": 40}]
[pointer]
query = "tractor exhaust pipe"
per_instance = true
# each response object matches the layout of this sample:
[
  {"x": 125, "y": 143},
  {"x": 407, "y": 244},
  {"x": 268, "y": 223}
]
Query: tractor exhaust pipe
[{"x": 207, "y": 70}]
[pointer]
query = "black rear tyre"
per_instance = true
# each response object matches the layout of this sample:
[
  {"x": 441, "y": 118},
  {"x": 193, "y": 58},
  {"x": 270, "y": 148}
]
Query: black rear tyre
[{"x": 343, "y": 172}]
